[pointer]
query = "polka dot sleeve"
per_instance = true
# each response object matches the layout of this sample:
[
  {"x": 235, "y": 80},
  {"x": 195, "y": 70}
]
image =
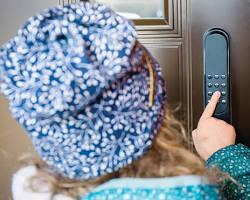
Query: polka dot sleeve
[{"x": 234, "y": 160}]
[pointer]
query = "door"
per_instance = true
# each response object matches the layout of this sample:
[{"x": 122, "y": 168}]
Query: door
[{"x": 234, "y": 17}]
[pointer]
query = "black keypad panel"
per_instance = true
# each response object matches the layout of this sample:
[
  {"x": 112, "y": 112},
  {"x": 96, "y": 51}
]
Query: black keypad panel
[
  {"x": 217, "y": 82},
  {"x": 216, "y": 69}
]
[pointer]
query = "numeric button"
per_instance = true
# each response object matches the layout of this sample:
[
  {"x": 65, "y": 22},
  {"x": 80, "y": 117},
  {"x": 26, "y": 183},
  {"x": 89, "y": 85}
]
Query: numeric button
[
  {"x": 223, "y": 76},
  {"x": 216, "y": 76},
  {"x": 209, "y": 76},
  {"x": 216, "y": 85},
  {"x": 209, "y": 84},
  {"x": 210, "y": 93},
  {"x": 223, "y": 85}
]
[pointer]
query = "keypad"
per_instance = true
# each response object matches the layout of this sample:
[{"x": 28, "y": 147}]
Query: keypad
[{"x": 217, "y": 82}]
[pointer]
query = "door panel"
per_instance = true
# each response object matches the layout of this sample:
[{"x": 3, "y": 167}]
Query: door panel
[{"x": 170, "y": 62}]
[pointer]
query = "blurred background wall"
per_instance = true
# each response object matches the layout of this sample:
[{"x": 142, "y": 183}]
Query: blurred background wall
[{"x": 14, "y": 142}]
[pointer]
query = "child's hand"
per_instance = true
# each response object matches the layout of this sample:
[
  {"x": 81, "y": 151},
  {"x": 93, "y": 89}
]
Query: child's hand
[{"x": 212, "y": 134}]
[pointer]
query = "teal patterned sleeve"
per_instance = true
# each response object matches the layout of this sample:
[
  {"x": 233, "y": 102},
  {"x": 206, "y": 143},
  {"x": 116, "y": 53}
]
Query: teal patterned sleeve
[{"x": 234, "y": 160}]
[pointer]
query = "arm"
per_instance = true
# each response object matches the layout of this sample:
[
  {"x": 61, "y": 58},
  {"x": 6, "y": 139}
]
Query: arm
[
  {"x": 235, "y": 161},
  {"x": 214, "y": 140}
]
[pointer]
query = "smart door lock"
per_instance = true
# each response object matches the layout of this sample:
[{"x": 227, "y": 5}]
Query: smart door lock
[{"x": 217, "y": 76}]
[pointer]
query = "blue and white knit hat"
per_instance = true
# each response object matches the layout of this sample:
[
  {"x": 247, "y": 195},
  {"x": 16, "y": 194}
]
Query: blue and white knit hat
[{"x": 89, "y": 95}]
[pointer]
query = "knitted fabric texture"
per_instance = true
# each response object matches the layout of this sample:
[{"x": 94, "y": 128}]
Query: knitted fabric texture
[{"x": 76, "y": 79}]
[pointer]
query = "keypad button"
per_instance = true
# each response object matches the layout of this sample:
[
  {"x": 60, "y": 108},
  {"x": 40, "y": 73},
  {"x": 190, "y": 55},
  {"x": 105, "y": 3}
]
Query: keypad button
[
  {"x": 223, "y": 101},
  {"x": 223, "y": 76},
  {"x": 209, "y": 76},
  {"x": 216, "y": 84},
  {"x": 223, "y": 93},
  {"x": 209, "y": 84},
  {"x": 216, "y": 76},
  {"x": 223, "y": 85},
  {"x": 210, "y": 93}
]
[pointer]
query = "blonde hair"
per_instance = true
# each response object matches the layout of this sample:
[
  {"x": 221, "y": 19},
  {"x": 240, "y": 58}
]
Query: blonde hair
[{"x": 168, "y": 156}]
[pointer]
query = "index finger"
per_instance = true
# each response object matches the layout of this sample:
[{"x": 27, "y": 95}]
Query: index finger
[{"x": 210, "y": 108}]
